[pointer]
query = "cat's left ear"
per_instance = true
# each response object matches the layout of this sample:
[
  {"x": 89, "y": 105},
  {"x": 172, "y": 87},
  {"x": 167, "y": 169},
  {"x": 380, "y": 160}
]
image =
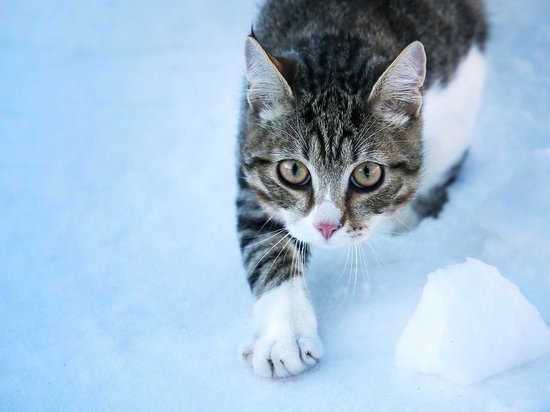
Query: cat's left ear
[
  {"x": 397, "y": 95},
  {"x": 268, "y": 90}
]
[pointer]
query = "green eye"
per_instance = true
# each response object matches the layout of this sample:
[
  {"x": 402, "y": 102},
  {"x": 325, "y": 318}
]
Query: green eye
[
  {"x": 366, "y": 175},
  {"x": 293, "y": 172}
]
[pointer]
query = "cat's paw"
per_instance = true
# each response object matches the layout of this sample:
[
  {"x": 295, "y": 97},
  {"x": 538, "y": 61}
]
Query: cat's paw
[{"x": 283, "y": 356}]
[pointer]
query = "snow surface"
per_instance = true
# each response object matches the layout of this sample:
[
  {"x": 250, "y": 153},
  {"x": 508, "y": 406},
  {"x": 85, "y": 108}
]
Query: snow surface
[
  {"x": 471, "y": 323},
  {"x": 121, "y": 286}
]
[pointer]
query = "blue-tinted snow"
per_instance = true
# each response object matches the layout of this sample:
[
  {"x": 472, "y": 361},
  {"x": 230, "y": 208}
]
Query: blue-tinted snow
[{"x": 120, "y": 281}]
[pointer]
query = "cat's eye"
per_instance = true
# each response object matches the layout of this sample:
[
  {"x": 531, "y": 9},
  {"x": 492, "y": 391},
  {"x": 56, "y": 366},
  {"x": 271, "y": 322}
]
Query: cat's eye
[
  {"x": 293, "y": 172},
  {"x": 367, "y": 175}
]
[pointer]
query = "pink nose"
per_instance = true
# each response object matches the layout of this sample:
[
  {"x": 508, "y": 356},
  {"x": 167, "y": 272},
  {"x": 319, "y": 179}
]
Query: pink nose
[{"x": 327, "y": 229}]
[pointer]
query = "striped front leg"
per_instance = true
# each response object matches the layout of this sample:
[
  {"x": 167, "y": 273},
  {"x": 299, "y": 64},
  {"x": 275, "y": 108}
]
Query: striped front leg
[{"x": 285, "y": 340}]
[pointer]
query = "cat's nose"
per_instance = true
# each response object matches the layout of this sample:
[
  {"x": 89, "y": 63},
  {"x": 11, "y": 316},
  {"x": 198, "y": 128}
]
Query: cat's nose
[{"x": 327, "y": 229}]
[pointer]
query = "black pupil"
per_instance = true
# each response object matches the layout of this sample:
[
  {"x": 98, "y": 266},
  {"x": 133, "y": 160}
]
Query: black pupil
[
  {"x": 295, "y": 169},
  {"x": 366, "y": 172}
]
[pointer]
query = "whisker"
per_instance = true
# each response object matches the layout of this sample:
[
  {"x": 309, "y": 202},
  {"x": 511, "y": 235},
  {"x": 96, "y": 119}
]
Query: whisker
[
  {"x": 273, "y": 234},
  {"x": 386, "y": 232},
  {"x": 303, "y": 251},
  {"x": 277, "y": 257},
  {"x": 292, "y": 264},
  {"x": 349, "y": 277},
  {"x": 374, "y": 253},
  {"x": 266, "y": 253},
  {"x": 356, "y": 270},
  {"x": 381, "y": 263},
  {"x": 365, "y": 262},
  {"x": 365, "y": 129},
  {"x": 365, "y": 140},
  {"x": 407, "y": 226},
  {"x": 345, "y": 265}
]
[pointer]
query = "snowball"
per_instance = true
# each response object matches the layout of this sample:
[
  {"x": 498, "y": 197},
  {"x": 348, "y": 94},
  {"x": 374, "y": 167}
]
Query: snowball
[{"x": 471, "y": 323}]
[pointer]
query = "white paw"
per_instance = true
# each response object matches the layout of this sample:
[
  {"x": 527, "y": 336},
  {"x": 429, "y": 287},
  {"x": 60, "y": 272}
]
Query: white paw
[{"x": 283, "y": 356}]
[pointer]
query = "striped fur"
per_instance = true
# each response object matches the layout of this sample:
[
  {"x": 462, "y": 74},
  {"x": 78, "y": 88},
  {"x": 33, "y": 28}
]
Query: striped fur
[{"x": 315, "y": 108}]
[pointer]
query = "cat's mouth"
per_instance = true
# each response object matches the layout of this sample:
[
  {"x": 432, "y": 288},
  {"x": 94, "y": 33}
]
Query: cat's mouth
[
  {"x": 328, "y": 236},
  {"x": 346, "y": 234}
]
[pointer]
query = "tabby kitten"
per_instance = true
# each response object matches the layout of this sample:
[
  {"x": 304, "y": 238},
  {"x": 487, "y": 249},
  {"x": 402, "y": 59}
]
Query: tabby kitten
[{"x": 345, "y": 128}]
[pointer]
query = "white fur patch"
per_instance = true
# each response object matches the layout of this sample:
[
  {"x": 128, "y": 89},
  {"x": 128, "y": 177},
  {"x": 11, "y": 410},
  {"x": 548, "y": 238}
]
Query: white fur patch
[
  {"x": 286, "y": 341},
  {"x": 303, "y": 228},
  {"x": 449, "y": 115},
  {"x": 327, "y": 212},
  {"x": 270, "y": 113}
]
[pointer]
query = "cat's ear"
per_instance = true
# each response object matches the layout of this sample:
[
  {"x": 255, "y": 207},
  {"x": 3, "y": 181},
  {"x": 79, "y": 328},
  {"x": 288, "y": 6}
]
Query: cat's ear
[
  {"x": 268, "y": 90},
  {"x": 397, "y": 95}
]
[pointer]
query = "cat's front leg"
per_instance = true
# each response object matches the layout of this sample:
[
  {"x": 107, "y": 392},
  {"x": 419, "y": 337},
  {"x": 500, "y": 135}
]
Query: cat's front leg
[
  {"x": 285, "y": 338},
  {"x": 286, "y": 341}
]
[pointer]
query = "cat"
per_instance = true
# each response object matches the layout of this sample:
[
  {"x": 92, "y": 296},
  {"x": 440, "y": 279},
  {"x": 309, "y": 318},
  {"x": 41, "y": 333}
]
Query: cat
[{"x": 356, "y": 114}]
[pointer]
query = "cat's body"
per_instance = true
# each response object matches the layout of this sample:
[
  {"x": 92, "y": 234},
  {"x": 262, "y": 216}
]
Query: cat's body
[{"x": 345, "y": 129}]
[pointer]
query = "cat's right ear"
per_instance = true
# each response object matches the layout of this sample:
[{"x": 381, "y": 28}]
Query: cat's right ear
[{"x": 268, "y": 91}]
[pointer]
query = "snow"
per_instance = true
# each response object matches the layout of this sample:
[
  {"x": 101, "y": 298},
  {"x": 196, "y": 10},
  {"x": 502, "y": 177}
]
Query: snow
[
  {"x": 524, "y": 229},
  {"x": 121, "y": 286},
  {"x": 471, "y": 323}
]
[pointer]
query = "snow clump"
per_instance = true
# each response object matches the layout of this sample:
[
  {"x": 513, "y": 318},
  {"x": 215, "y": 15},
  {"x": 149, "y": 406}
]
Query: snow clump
[{"x": 471, "y": 323}]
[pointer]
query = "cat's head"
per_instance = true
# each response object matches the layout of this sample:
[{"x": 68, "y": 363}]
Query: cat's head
[{"x": 329, "y": 159}]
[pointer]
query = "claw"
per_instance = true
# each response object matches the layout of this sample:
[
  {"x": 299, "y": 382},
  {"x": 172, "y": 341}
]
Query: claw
[
  {"x": 317, "y": 360},
  {"x": 247, "y": 351},
  {"x": 272, "y": 367}
]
